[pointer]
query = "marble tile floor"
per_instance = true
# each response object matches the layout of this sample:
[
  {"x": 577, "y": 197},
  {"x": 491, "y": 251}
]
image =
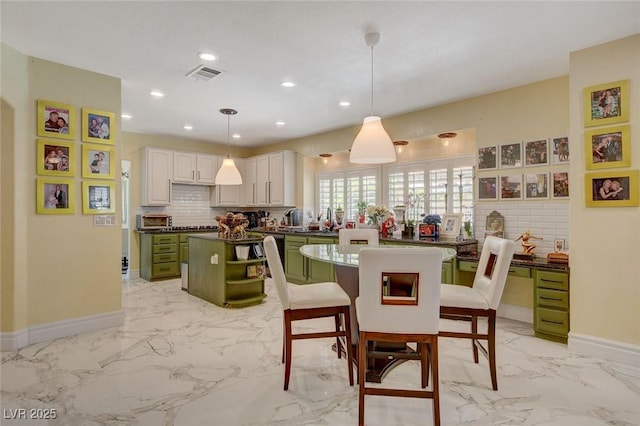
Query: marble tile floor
[{"x": 178, "y": 360}]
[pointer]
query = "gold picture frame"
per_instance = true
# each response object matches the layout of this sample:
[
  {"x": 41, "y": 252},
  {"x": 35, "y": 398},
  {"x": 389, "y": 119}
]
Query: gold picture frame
[
  {"x": 98, "y": 161},
  {"x": 98, "y": 126},
  {"x": 606, "y": 103},
  {"x": 609, "y": 147},
  {"x": 55, "y": 196},
  {"x": 56, "y": 120},
  {"x": 98, "y": 197},
  {"x": 55, "y": 158},
  {"x": 618, "y": 188}
]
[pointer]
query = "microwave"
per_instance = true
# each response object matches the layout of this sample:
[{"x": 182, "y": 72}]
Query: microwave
[{"x": 153, "y": 221}]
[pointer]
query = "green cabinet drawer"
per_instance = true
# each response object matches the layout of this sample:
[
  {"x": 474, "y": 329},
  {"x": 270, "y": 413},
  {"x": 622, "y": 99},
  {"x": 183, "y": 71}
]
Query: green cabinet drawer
[
  {"x": 294, "y": 240},
  {"x": 552, "y": 280},
  {"x": 164, "y": 269},
  {"x": 322, "y": 240},
  {"x": 165, "y": 257},
  {"x": 165, "y": 239},
  {"x": 183, "y": 238},
  {"x": 552, "y": 321},
  {"x": 465, "y": 265},
  {"x": 519, "y": 271},
  {"x": 552, "y": 298},
  {"x": 164, "y": 248}
]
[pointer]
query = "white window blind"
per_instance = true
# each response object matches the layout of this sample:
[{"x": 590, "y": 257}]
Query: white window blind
[{"x": 346, "y": 190}]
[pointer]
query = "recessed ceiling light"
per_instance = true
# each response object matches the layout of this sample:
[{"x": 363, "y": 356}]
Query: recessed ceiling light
[
  {"x": 207, "y": 56},
  {"x": 280, "y": 123},
  {"x": 157, "y": 94},
  {"x": 344, "y": 104},
  {"x": 187, "y": 127},
  {"x": 125, "y": 116},
  {"x": 236, "y": 136},
  {"x": 287, "y": 84}
]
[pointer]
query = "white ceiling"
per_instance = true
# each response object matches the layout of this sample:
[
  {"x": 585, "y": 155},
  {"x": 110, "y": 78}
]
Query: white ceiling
[{"x": 430, "y": 53}]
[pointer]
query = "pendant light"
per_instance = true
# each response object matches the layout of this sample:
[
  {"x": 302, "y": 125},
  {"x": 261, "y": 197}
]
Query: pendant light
[
  {"x": 372, "y": 145},
  {"x": 228, "y": 173}
]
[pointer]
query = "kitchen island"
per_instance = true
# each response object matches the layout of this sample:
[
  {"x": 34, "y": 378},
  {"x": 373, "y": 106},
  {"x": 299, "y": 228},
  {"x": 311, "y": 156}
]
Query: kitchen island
[{"x": 219, "y": 277}]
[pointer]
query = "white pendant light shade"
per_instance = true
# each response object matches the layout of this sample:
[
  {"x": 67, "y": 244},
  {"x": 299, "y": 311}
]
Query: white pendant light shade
[
  {"x": 228, "y": 173},
  {"x": 372, "y": 145}
]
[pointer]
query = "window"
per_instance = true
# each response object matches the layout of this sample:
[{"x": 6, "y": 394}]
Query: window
[{"x": 346, "y": 190}]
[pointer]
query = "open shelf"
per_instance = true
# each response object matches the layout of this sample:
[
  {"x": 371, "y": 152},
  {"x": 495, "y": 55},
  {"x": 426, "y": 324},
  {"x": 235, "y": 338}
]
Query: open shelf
[
  {"x": 245, "y": 262},
  {"x": 247, "y": 301},
  {"x": 245, "y": 281}
]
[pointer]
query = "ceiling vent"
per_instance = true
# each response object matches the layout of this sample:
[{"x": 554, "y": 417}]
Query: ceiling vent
[{"x": 203, "y": 73}]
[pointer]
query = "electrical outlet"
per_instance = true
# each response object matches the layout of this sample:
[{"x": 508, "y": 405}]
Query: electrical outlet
[{"x": 214, "y": 259}]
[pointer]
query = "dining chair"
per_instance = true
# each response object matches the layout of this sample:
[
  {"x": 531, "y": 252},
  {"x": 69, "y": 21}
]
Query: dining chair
[
  {"x": 309, "y": 301},
  {"x": 399, "y": 299},
  {"x": 459, "y": 302},
  {"x": 351, "y": 236}
]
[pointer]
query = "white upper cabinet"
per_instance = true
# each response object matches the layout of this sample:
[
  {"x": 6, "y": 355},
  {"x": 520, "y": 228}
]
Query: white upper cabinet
[
  {"x": 275, "y": 179},
  {"x": 250, "y": 182},
  {"x": 189, "y": 167},
  {"x": 157, "y": 168},
  {"x": 229, "y": 195}
]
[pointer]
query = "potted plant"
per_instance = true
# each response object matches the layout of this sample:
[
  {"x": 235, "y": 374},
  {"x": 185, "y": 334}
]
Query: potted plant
[{"x": 362, "y": 209}]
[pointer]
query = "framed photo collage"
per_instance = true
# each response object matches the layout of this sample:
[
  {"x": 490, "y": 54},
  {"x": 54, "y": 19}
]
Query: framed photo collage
[{"x": 57, "y": 159}]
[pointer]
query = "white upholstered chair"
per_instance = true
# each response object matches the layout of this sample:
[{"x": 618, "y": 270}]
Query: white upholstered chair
[
  {"x": 399, "y": 300},
  {"x": 350, "y": 236},
  {"x": 460, "y": 302},
  {"x": 301, "y": 302}
]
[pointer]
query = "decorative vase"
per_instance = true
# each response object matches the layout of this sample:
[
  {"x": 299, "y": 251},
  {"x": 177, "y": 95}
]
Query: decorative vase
[{"x": 362, "y": 218}]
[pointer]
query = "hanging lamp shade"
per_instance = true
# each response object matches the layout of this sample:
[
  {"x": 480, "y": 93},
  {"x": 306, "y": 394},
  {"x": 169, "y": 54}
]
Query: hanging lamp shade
[
  {"x": 372, "y": 145},
  {"x": 228, "y": 173}
]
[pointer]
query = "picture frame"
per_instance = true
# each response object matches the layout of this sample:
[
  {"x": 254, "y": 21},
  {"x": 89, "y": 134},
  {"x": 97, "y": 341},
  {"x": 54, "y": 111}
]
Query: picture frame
[
  {"x": 511, "y": 155},
  {"x": 618, "y": 188},
  {"x": 98, "y": 126},
  {"x": 610, "y": 147},
  {"x": 560, "y": 185},
  {"x": 560, "y": 150},
  {"x": 494, "y": 224},
  {"x": 511, "y": 187},
  {"x": 488, "y": 157},
  {"x": 606, "y": 103},
  {"x": 536, "y": 186},
  {"x": 488, "y": 188},
  {"x": 98, "y": 161},
  {"x": 558, "y": 245},
  {"x": 536, "y": 152},
  {"x": 55, "y": 158},
  {"x": 98, "y": 197},
  {"x": 55, "y": 196},
  {"x": 56, "y": 120},
  {"x": 451, "y": 223}
]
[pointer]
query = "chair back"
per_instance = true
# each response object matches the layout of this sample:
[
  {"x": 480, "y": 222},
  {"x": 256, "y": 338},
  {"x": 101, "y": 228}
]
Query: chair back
[
  {"x": 493, "y": 268},
  {"x": 371, "y": 236},
  {"x": 277, "y": 271},
  {"x": 384, "y": 271}
]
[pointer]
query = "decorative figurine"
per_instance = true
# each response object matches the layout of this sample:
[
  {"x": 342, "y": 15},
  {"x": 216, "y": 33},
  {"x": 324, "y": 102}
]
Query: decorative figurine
[{"x": 527, "y": 246}]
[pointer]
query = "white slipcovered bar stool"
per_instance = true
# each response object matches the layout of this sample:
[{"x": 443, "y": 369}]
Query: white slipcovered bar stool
[
  {"x": 350, "y": 236},
  {"x": 301, "y": 302},
  {"x": 399, "y": 302},
  {"x": 460, "y": 302}
]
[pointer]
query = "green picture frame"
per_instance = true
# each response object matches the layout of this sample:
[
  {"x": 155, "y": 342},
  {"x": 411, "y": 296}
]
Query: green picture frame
[
  {"x": 55, "y": 158},
  {"x": 606, "y": 103},
  {"x": 55, "y": 196},
  {"x": 56, "y": 120},
  {"x": 610, "y": 147},
  {"x": 98, "y": 197}
]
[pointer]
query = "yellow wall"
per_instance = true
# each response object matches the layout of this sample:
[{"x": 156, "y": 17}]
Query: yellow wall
[
  {"x": 605, "y": 289},
  {"x": 63, "y": 266}
]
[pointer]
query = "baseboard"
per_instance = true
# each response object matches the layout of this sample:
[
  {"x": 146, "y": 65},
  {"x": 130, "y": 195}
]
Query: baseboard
[
  {"x": 514, "y": 312},
  {"x": 12, "y": 341},
  {"x": 610, "y": 350},
  {"x": 134, "y": 274}
]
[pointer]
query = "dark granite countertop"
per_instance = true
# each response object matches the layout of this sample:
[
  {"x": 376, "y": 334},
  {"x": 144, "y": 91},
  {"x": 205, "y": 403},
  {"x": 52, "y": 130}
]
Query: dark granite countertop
[
  {"x": 214, "y": 236},
  {"x": 537, "y": 262},
  {"x": 176, "y": 231}
]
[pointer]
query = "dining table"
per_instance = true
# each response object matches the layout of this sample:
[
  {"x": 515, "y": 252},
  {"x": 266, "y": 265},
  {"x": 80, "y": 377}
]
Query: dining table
[{"x": 346, "y": 260}]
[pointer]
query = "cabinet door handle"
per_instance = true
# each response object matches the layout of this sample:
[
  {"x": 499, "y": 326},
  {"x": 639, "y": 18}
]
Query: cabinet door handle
[
  {"x": 169, "y": 190},
  {"x": 266, "y": 192},
  {"x": 254, "y": 193},
  {"x": 269, "y": 191},
  {"x": 193, "y": 175},
  {"x": 198, "y": 174}
]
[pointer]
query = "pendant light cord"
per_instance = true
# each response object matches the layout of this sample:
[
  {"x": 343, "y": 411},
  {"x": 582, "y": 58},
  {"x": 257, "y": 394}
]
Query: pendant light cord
[
  {"x": 371, "y": 80},
  {"x": 228, "y": 133}
]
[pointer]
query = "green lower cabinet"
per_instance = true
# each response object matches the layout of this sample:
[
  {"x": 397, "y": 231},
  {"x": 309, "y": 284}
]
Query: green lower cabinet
[
  {"x": 159, "y": 256},
  {"x": 301, "y": 270},
  {"x": 551, "y": 305},
  {"x": 447, "y": 273}
]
